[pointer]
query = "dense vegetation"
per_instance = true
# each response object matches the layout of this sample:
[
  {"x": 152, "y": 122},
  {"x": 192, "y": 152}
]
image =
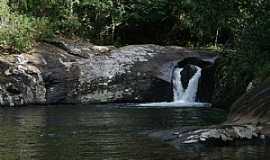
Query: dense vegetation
[{"x": 240, "y": 27}]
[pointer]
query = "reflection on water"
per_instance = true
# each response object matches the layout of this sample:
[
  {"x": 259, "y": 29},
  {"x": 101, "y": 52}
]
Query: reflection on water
[{"x": 105, "y": 132}]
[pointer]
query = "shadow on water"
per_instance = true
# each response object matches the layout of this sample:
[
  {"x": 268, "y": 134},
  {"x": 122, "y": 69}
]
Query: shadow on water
[{"x": 106, "y": 132}]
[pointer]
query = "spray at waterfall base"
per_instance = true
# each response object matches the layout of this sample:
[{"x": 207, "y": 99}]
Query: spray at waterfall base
[{"x": 182, "y": 97}]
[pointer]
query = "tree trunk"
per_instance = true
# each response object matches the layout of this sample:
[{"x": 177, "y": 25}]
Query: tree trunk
[
  {"x": 113, "y": 31},
  {"x": 71, "y": 8}
]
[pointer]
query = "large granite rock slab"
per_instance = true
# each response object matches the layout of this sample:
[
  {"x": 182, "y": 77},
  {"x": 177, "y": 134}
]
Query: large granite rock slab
[{"x": 66, "y": 71}]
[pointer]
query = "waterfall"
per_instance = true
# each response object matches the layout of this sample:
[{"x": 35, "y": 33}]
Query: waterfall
[
  {"x": 178, "y": 89},
  {"x": 182, "y": 97},
  {"x": 189, "y": 95}
]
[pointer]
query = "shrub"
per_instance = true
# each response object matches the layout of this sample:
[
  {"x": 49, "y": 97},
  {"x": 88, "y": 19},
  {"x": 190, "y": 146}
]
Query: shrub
[{"x": 20, "y": 31}]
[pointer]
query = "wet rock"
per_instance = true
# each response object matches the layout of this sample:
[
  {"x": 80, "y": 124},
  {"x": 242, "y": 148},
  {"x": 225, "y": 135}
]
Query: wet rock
[
  {"x": 219, "y": 134},
  {"x": 211, "y": 135}
]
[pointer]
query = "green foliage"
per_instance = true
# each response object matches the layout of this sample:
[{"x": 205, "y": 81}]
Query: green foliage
[
  {"x": 99, "y": 19},
  {"x": 60, "y": 14},
  {"x": 20, "y": 31},
  {"x": 69, "y": 26},
  {"x": 251, "y": 59},
  {"x": 186, "y": 22},
  {"x": 4, "y": 9},
  {"x": 254, "y": 40},
  {"x": 193, "y": 23}
]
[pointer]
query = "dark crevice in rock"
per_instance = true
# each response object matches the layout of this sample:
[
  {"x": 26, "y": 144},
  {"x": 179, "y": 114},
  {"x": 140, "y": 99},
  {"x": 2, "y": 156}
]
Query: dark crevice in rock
[{"x": 13, "y": 89}]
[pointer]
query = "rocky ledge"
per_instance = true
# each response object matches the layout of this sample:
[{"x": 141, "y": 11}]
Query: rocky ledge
[
  {"x": 213, "y": 135},
  {"x": 73, "y": 71}
]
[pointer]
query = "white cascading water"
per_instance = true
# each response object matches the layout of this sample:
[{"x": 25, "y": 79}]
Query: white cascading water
[
  {"x": 182, "y": 97},
  {"x": 188, "y": 95},
  {"x": 178, "y": 89}
]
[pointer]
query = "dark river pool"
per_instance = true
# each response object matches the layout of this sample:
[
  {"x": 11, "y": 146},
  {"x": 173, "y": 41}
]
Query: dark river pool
[{"x": 107, "y": 132}]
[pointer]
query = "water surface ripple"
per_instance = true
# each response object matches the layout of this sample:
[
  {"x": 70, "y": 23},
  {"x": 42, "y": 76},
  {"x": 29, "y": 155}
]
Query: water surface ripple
[{"x": 106, "y": 133}]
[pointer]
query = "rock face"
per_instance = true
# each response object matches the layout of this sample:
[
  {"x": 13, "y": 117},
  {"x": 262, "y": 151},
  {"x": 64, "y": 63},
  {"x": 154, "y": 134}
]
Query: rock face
[
  {"x": 223, "y": 134},
  {"x": 20, "y": 83},
  {"x": 65, "y": 71},
  {"x": 253, "y": 107}
]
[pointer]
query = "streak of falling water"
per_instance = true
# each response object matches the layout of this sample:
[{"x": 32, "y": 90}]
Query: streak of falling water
[
  {"x": 182, "y": 97},
  {"x": 190, "y": 93},
  {"x": 178, "y": 89}
]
